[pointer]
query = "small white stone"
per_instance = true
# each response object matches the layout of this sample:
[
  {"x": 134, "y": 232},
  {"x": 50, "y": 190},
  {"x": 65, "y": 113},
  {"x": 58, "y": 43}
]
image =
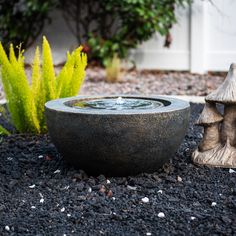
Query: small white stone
[
  {"x": 148, "y": 233},
  {"x": 32, "y": 186},
  {"x": 161, "y": 215},
  {"x": 33, "y": 207},
  {"x": 62, "y": 209},
  {"x": 213, "y": 204},
  {"x": 179, "y": 179},
  {"x": 7, "y": 228},
  {"x": 67, "y": 187},
  {"x": 220, "y": 194},
  {"x": 69, "y": 215},
  {"x": 108, "y": 181},
  {"x": 41, "y": 200},
  {"x": 56, "y": 171},
  {"x": 160, "y": 191},
  {"x": 9, "y": 158},
  {"x": 131, "y": 187},
  {"x": 89, "y": 189},
  {"x": 113, "y": 198},
  {"x": 231, "y": 171},
  {"x": 64, "y": 234},
  {"x": 193, "y": 218},
  {"x": 145, "y": 200},
  {"x": 40, "y": 156}
]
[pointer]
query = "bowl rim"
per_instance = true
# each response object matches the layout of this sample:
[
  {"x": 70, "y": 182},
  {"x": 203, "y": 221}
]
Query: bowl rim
[{"x": 60, "y": 105}]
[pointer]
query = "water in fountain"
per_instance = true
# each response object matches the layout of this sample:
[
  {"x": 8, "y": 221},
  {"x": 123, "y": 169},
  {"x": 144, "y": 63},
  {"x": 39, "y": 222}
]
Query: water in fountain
[{"x": 118, "y": 104}]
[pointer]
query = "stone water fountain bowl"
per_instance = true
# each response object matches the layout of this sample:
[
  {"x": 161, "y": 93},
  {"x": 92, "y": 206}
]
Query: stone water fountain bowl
[{"x": 117, "y": 136}]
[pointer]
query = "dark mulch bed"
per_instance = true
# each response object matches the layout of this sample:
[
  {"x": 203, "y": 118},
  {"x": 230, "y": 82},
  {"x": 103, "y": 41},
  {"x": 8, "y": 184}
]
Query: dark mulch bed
[{"x": 41, "y": 195}]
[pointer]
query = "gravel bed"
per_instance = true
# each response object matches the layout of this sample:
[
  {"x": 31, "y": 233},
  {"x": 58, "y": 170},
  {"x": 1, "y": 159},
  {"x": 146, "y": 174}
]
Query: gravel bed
[
  {"x": 151, "y": 82},
  {"x": 42, "y": 195},
  {"x": 148, "y": 83}
]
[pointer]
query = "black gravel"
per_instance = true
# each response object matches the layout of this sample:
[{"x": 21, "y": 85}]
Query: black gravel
[{"x": 41, "y": 195}]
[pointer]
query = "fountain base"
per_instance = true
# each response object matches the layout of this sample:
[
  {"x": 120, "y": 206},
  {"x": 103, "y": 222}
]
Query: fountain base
[{"x": 117, "y": 142}]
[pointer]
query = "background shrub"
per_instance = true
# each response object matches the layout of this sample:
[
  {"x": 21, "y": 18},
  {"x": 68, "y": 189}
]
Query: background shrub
[
  {"x": 108, "y": 27},
  {"x": 21, "y": 21},
  {"x": 113, "y": 27}
]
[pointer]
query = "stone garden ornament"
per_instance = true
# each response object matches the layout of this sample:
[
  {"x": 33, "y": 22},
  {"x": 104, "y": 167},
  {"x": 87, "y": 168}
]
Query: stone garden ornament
[{"x": 218, "y": 146}]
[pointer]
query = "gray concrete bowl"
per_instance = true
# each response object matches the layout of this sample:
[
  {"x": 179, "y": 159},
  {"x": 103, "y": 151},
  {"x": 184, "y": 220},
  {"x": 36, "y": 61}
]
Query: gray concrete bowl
[{"x": 113, "y": 142}]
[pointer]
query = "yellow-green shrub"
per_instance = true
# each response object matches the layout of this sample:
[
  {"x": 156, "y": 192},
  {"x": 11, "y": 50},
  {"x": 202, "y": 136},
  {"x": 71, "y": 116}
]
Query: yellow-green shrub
[
  {"x": 113, "y": 70},
  {"x": 26, "y": 100}
]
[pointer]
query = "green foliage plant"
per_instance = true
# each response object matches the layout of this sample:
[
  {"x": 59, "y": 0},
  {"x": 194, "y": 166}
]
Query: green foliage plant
[
  {"x": 23, "y": 20},
  {"x": 3, "y": 131},
  {"x": 115, "y": 26},
  {"x": 26, "y": 100}
]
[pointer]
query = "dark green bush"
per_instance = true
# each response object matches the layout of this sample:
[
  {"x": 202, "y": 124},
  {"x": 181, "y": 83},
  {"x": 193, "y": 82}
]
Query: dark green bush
[
  {"x": 115, "y": 26},
  {"x": 21, "y": 21}
]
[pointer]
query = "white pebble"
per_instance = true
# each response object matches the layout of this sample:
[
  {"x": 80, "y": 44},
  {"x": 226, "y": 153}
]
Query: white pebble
[
  {"x": 192, "y": 217},
  {"x": 41, "y": 200},
  {"x": 179, "y": 179},
  {"x": 160, "y": 191},
  {"x": 113, "y": 198},
  {"x": 131, "y": 187},
  {"x": 108, "y": 181},
  {"x": 32, "y": 186},
  {"x": 67, "y": 187},
  {"x": 231, "y": 171},
  {"x": 7, "y": 228},
  {"x": 33, "y": 207},
  {"x": 145, "y": 200},
  {"x": 161, "y": 215},
  {"x": 40, "y": 156},
  {"x": 56, "y": 171},
  {"x": 9, "y": 158},
  {"x": 148, "y": 233},
  {"x": 89, "y": 189},
  {"x": 213, "y": 204},
  {"x": 69, "y": 215},
  {"x": 62, "y": 209}
]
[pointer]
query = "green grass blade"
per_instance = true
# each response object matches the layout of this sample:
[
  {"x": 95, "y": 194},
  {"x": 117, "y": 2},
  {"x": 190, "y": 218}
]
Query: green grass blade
[{"x": 3, "y": 131}]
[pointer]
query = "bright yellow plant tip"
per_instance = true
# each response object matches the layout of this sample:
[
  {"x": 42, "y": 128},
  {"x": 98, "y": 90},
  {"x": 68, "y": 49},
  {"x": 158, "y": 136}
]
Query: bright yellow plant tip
[
  {"x": 26, "y": 100},
  {"x": 48, "y": 74}
]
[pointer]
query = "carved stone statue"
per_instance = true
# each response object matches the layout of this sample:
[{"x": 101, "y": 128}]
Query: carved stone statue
[{"x": 218, "y": 147}]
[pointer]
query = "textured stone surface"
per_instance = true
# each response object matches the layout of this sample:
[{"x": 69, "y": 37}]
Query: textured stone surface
[{"x": 114, "y": 142}]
